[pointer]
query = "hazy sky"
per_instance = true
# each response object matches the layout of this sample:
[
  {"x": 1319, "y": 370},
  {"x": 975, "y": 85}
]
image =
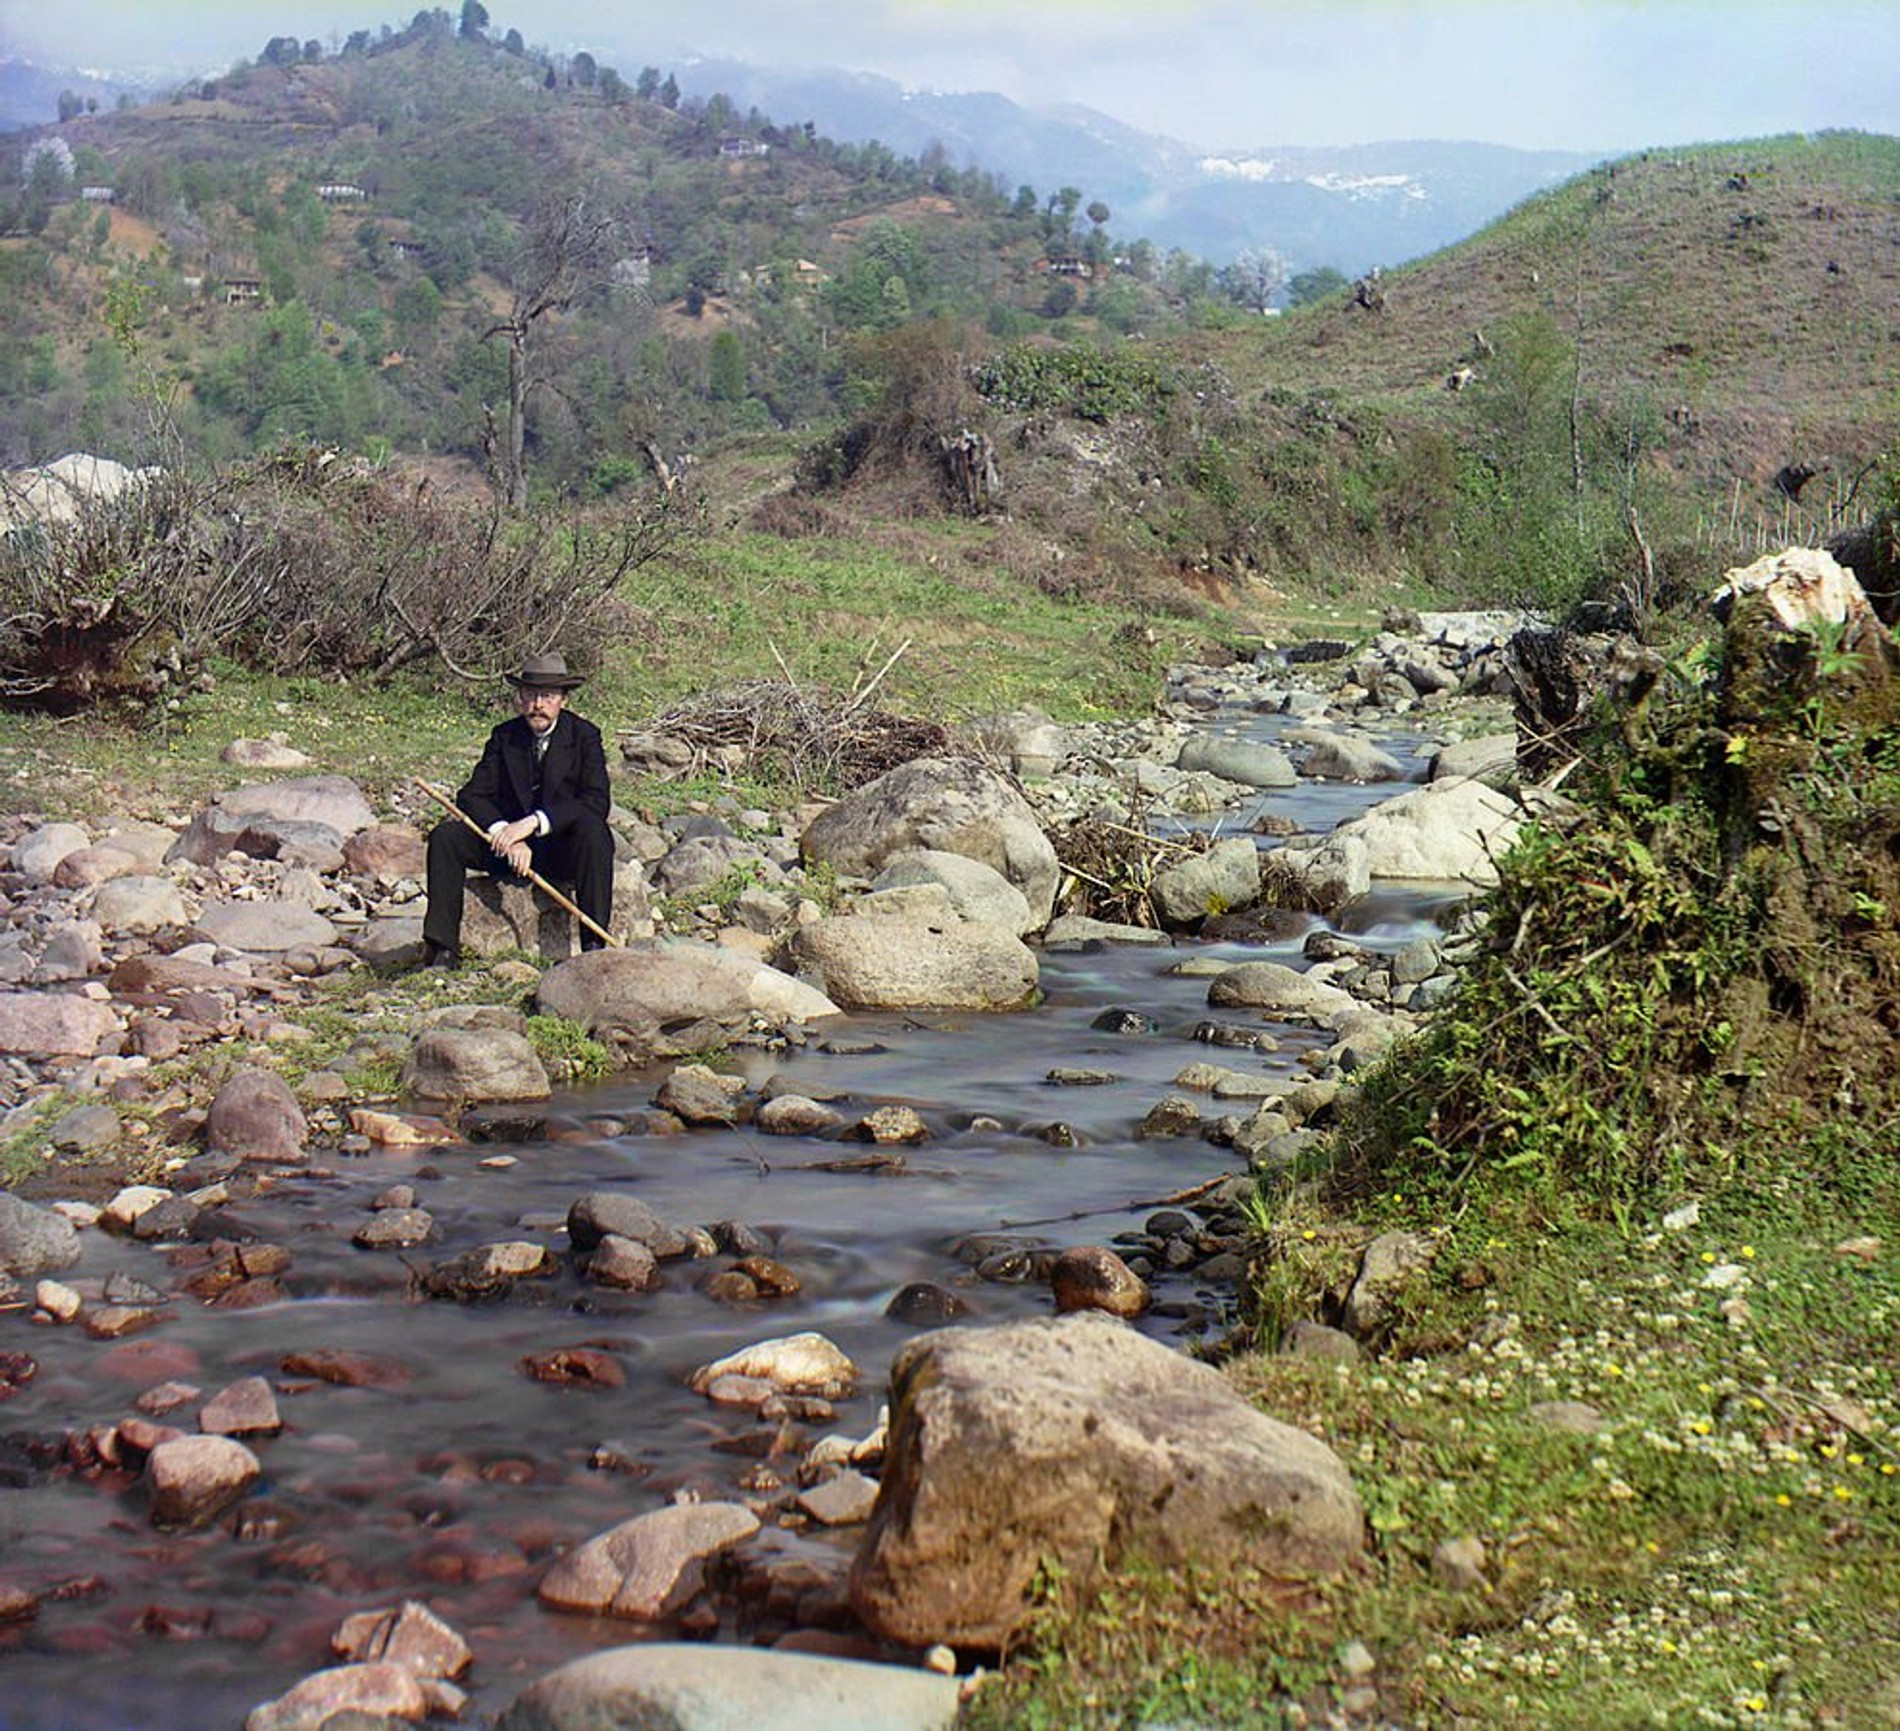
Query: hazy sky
[{"x": 1574, "y": 74}]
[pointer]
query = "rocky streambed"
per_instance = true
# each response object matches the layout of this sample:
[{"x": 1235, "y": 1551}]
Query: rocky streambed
[{"x": 431, "y": 1394}]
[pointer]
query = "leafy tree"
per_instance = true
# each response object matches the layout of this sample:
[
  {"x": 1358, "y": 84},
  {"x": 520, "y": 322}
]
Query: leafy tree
[
  {"x": 512, "y": 44},
  {"x": 647, "y": 85},
  {"x": 474, "y": 25},
  {"x": 1254, "y": 278},
  {"x": 670, "y": 92},
  {"x": 584, "y": 69},
  {"x": 70, "y": 105},
  {"x": 1308, "y": 286},
  {"x": 726, "y": 368}
]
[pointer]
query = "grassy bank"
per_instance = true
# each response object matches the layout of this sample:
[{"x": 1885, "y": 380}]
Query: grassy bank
[
  {"x": 1719, "y": 1549},
  {"x": 944, "y": 632}
]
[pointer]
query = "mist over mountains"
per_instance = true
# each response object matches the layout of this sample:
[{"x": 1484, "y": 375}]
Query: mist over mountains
[{"x": 1350, "y": 206}]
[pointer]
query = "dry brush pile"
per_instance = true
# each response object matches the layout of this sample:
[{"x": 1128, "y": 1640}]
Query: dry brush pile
[{"x": 304, "y": 562}]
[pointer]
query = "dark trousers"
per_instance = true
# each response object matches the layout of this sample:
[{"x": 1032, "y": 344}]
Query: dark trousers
[{"x": 583, "y": 857}]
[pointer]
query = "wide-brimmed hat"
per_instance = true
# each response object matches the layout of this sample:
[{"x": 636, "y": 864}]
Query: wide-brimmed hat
[{"x": 545, "y": 673}]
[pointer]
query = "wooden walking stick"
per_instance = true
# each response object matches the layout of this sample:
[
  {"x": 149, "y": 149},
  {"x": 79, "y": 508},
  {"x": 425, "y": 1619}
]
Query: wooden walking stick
[{"x": 533, "y": 876}]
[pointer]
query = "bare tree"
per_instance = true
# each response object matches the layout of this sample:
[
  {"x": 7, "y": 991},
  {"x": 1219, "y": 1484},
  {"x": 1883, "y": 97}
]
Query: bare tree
[{"x": 568, "y": 250}]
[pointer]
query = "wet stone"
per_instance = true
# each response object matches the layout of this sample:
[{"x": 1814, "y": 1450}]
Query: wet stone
[
  {"x": 891, "y": 1125},
  {"x": 348, "y": 1369},
  {"x": 623, "y": 1264},
  {"x": 247, "y": 1407},
  {"x": 922, "y": 1304},
  {"x": 1093, "y": 1277},
  {"x": 395, "y": 1229},
  {"x": 195, "y": 1478},
  {"x": 1120, "y": 1021},
  {"x": 575, "y": 1367},
  {"x": 1173, "y": 1116}
]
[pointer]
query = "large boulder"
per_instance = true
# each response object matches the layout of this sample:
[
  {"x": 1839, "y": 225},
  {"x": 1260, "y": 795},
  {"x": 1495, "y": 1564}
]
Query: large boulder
[
  {"x": 1245, "y": 761},
  {"x": 1282, "y": 992},
  {"x": 34, "y": 1241},
  {"x": 473, "y": 1065},
  {"x": 1077, "y": 1441},
  {"x": 1026, "y": 740},
  {"x": 304, "y": 820},
  {"x": 36, "y": 855},
  {"x": 1447, "y": 830},
  {"x": 664, "y": 1686},
  {"x": 53, "y": 1025},
  {"x": 268, "y": 927},
  {"x": 951, "y": 804},
  {"x": 666, "y": 998},
  {"x": 1330, "y": 756},
  {"x": 879, "y": 962},
  {"x": 977, "y": 892},
  {"x": 1200, "y": 885},
  {"x": 646, "y": 1566},
  {"x": 256, "y": 1117}
]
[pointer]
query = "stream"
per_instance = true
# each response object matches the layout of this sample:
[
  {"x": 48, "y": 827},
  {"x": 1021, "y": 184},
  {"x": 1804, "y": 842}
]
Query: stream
[{"x": 460, "y": 1485}]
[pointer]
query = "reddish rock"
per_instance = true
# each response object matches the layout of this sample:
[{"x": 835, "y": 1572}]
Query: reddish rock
[
  {"x": 772, "y": 1278},
  {"x": 369, "y": 1692},
  {"x": 247, "y": 1407},
  {"x": 17, "y": 1369},
  {"x": 93, "y": 865},
  {"x": 575, "y": 1367},
  {"x": 54, "y": 1025},
  {"x": 256, "y": 1116},
  {"x": 1091, "y": 1277},
  {"x": 623, "y": 1264},
  {"x": 195, "y": 1478},
  {"x": 348, "y": 1369},
  {"x": 137, "y": 1437},
  {"x": 412, "y": 1636},
  {"x": 17, "y": 1604},
  {"x": 115, "y": 1321},
  {"x": 649, "y": 1565},
  {"x": 385, "y": 852},
  {"x": 166, "y": 1397}
]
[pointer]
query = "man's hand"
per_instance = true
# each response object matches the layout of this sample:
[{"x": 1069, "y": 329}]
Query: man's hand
[{"x": 511, "y": 843}]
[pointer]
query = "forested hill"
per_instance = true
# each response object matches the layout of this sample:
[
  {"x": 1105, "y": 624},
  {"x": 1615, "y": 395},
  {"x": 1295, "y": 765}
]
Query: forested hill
[
  {"x": 320, "y": 244},
  {"x": 437, "y": 242}
]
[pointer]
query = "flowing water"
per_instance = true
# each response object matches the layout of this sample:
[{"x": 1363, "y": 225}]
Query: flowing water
[{"x": 458, "y": 1486}]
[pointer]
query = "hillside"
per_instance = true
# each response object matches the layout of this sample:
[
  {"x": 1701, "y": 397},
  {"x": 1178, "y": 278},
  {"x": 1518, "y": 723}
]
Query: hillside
[
  {"x": 1744, "y": 293},
  {"x": 434, "y": 245},
  {"x": 1348, "y": 207}
]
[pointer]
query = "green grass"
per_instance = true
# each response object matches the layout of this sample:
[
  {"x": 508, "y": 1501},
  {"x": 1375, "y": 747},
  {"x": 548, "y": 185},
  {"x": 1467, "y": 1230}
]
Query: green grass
[
  {"x": 974, "y": 639},
  {"x": 1720, "y": 1553}
]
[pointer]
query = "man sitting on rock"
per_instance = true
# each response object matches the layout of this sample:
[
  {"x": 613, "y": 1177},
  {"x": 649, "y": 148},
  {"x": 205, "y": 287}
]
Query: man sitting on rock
[{"x": 540, "y": 792}]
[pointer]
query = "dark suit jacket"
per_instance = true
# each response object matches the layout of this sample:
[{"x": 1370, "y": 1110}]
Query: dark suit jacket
[{"x": 573, "y": 776}]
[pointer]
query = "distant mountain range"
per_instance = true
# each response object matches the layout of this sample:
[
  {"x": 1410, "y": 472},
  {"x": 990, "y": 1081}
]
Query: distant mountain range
[{"x": 1350, "y": 206}]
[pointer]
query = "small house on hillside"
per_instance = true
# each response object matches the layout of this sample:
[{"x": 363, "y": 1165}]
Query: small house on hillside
[
  {"x": 1069, "y": 264},
  {"x": 743, "y": 147},
  {"x": 97, "y": 194},
  {"x": 242, "y": 290},
  {"x": 341, "y": 192}
]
